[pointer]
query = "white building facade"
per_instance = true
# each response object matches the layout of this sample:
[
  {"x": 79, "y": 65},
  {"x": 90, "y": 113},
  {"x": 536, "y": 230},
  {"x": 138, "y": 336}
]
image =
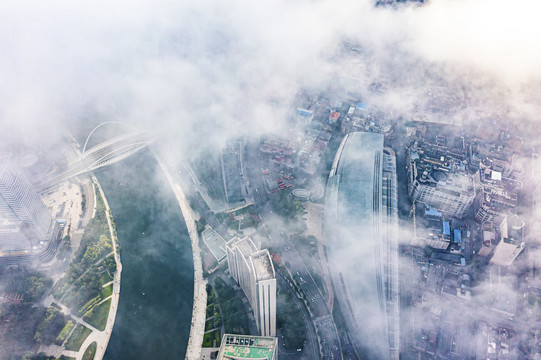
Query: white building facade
[{"x": 252, "y": 269}]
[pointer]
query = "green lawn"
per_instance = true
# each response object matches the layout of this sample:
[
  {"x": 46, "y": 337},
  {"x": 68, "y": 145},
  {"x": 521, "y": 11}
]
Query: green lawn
[
  {"x": 65, "y": 332},
  {"x": 207, "y": 340},
  {"x": 209, "y": 337},
  {"x": 97, "y": 317},
  {"x": 105, "y": 278},
  {"x": 106, "y": 291},
  {"x": 78, "y": 338},
  {"x": 218, "y": 337},
  {"x": 90, "y": 351}
]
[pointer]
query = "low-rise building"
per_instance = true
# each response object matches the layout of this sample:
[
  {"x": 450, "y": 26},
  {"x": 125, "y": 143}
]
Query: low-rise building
[{"x": 236, "y": 347}]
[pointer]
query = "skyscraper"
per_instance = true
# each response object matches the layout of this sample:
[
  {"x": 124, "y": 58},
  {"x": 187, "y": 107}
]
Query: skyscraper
[
  {"x": 21, "y": 208},
  {"x": 254, "y": 272},
  {"x": 361, "y": 229}
]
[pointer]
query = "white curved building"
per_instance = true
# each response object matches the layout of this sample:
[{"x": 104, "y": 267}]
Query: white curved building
[{"x": 361, "y": 227}]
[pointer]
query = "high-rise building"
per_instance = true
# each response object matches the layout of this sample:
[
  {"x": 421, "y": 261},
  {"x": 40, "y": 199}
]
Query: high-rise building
[
  {"x": 254, "y": 272},
  {"x": 361, "y": 229},
  {"x": 232, "y": 171},
  {"x": 437, "y": 176},
  {"x": 24, "y": 215},
  {"x": 235, "y": 347}
]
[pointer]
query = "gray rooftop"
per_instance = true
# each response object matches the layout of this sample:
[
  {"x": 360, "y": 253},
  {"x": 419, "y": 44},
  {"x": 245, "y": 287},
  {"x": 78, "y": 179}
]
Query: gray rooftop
[{"x": 264, "y": 270}]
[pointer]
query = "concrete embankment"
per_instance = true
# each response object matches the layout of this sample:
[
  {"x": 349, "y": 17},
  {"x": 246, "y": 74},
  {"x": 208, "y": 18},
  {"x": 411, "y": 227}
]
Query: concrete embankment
[{"x": 197, "y": 328}]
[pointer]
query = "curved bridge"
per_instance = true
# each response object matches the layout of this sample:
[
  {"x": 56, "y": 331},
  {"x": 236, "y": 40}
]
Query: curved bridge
[{"x": 102, "y": 154}]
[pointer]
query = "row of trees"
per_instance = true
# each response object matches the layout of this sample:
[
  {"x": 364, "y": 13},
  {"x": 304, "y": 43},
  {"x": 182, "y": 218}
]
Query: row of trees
[
  {"x": 50, "y": 327},
  {"x": 290, "y": 321},
  {"x": 284, "y": 205},
  {"x": 29, "y": 283},
  {"x": 84, "y": 278},
  {"x": 234, "y": 314}
]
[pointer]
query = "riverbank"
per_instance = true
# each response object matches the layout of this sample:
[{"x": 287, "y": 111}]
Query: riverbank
[
  {"x": 197, "y": 328},
  {"x": 96, "y": 334},
  {"x": 102, "y": 337}
]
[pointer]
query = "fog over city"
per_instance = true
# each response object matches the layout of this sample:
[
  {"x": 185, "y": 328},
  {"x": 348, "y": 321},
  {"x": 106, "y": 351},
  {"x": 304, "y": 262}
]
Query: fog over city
[
  {"x": 200, "y": 73},
  {"x": 234, "y": 65}
]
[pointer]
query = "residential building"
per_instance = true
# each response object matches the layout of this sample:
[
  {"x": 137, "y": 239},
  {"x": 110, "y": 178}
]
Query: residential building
[{"x": 252, "y": 269}]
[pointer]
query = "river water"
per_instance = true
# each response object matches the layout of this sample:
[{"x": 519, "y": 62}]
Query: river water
[{"x": 156, "y": 293}]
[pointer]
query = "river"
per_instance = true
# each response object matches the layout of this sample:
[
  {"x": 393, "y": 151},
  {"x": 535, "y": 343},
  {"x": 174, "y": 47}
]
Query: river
[{"x": 156, "y": 292}]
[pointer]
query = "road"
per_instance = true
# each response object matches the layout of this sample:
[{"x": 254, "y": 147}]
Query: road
[{"x": 310, "y": 350}]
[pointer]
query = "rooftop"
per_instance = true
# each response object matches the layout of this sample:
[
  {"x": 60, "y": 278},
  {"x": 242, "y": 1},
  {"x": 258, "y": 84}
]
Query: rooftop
[
  {"x": 506, "y": 253},
  {"x": 215, "y": 242},
  {"x": 236, "y": 347},
  {"x": 245, "y": 245},
  {"x": 263, "y": 267},
  {"x": 441, "y": 167}
]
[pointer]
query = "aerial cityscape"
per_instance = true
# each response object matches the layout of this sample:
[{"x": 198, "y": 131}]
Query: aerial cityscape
[{"x": 285, "y": 179}]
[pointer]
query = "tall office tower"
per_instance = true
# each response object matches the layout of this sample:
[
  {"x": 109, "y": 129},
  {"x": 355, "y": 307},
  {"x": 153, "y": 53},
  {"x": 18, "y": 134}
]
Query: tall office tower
[
  {"x": 235, "y": 347},
  {"x": 361, "y": 229},
  {"x": 232, "y": 171},
  {"x": 254, "y": 272},
  {"x": 20, "y": 204}
]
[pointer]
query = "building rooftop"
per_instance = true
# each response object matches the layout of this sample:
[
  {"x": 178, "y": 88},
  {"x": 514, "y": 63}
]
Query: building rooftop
[
  {"x": 215, "y": 243},
  {"x": 437, "y": 165},
  {"x": 360, "y": 220},
  {"x": 263, "y": 267},
  {"x": 237, "y": 347},
  {"x": 245, "y": 245},
  {"x": 506, "y": 253}
]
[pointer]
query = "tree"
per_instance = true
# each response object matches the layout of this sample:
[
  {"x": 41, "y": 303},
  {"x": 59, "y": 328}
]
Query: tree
[{"x": 217, "y": 319}]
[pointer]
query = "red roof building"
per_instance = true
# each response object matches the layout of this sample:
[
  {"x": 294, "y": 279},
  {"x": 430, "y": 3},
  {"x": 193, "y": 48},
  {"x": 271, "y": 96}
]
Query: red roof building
[{"x": 334, "y": 117}]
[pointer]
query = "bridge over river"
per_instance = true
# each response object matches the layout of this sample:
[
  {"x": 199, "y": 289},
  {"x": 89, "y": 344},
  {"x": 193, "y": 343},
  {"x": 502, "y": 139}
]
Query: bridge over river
[{"x": 105, "y": 153}]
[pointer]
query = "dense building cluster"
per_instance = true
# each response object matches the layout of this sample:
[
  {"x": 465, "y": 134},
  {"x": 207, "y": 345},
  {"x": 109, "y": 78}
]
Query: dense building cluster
[{"x": 469, "y": 232}]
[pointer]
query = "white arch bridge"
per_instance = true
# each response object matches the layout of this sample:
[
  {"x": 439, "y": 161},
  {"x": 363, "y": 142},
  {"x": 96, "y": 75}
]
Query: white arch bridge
[{"x": 105, "y": 153}]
